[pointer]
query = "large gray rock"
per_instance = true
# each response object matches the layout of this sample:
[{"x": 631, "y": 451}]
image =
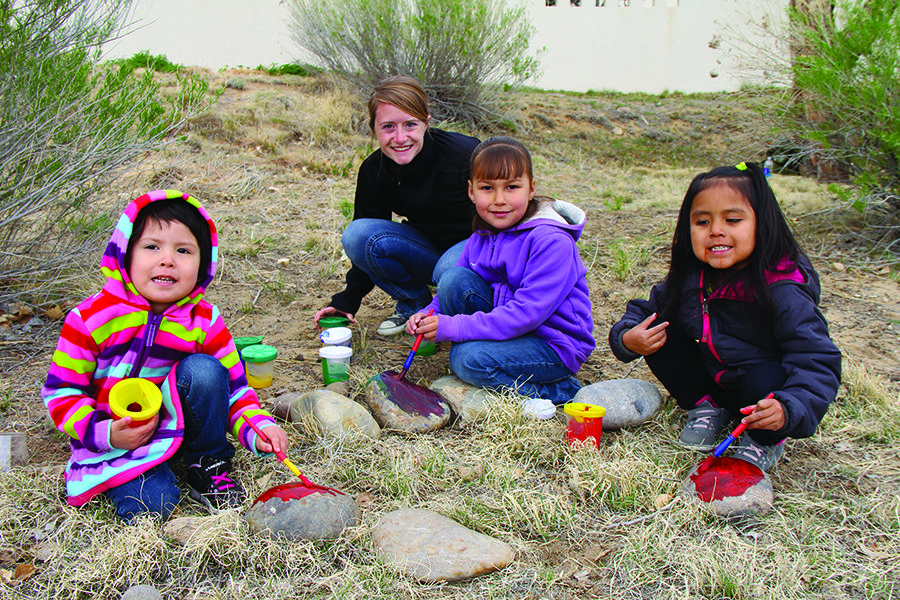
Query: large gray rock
[
  {"x": 468, "y": 402},
  {"x": 280, "y": 512},
  {"x": 730, "y": 487},
  {"x": 431, "y": 548},
  {"x": 404, "y": 406},
  {"x": 142, "y": 592},
  {"x": 323, "y": 412},
  {"x": 628, "y": 402}
]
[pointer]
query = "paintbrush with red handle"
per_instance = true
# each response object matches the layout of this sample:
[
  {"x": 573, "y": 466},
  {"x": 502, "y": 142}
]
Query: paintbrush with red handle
[
  {"x": 408, "y": 362},
  {"x": 722, "y": 447}
]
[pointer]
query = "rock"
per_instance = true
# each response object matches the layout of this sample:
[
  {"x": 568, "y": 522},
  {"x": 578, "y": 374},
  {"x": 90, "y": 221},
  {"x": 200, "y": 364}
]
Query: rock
[
  {"x": 628, "y": 402},
  {"x": 13, "y": 450},
  {"x": 183, "y": 530},
  {"x": 404, "y": 406},
  {"x": 339, "y": 387},
  {"x": 469, "y": 403},
  {"x": 280, "y": 512},
  {"x": 141, "y": 592},
  {"x": 433, "y": 548},
  {"x": 730, "y": 487},
  {"x": 326, "y": 413}
]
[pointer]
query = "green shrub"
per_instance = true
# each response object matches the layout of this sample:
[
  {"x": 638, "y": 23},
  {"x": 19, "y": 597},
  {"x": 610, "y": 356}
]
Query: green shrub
[
  {"x": 68, "y": 126},
  {"x": 462, "y": 50}
]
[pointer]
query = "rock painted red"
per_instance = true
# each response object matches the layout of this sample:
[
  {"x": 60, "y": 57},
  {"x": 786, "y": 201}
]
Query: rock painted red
[
  {"x": 724, "y": 477},
  {"x": 288, "y": 491}
]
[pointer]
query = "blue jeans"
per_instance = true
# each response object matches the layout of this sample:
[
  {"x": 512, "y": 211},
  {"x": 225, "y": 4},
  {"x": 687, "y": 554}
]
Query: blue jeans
[
  {"x": 526, "y": 364},
  {"x": 203, "y": 387},
  {"x": 398, "y": 259}
]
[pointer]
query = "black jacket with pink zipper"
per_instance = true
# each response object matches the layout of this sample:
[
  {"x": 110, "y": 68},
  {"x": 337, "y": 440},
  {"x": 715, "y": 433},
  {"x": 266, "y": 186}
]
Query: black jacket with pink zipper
[{"x": 734, "y": 332}]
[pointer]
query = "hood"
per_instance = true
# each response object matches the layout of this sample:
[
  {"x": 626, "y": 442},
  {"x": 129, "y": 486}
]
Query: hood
[
  {"x": 566, "y": 215},
  {"x": 113, "y": 262}
]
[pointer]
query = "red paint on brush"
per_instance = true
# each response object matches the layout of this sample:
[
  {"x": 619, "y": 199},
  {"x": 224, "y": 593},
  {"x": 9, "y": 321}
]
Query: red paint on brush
[
  {"x": 289, "y": 491},
  {"x": 724, "y": 477},
  {"x": 409, "y": 397}
]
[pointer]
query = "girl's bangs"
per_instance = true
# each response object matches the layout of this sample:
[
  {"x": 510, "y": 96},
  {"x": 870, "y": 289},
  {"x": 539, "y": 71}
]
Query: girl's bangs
[{"x": 500, "y": 164}]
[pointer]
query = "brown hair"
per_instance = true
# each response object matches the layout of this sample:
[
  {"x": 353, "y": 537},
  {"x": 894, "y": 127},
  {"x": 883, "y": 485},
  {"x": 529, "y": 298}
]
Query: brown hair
[
  {"x": 406, "y": 93},
  {"x": 502, "y": 157}
]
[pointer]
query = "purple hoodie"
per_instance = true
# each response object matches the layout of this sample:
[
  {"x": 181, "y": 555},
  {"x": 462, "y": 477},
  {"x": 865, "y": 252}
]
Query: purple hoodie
[{"x": 539, "y": 285}]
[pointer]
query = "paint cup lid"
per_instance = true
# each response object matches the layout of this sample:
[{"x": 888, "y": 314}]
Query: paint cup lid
[
  {"x": 327, "y": 352},
  {"x": 259, "y": 353},
  {"x": 333, "y": 321},
  {"x": 243, "y": 342},
  {"x": 335, "y": 336},
  {"x": 132, "y": 392},
  {"x": 582, "y": 410}
]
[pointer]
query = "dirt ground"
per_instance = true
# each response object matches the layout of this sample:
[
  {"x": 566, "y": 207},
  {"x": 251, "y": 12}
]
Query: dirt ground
[{"x": 277, "y": 178}]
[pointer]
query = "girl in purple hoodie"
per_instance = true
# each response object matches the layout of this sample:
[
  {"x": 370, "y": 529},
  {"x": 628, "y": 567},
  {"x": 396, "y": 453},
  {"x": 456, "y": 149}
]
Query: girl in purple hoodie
[{"x": 516, "y": 304}]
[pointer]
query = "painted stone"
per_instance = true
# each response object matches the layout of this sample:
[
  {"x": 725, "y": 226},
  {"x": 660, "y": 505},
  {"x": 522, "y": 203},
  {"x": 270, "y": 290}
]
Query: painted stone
[
  {"x": 431, "y": 548},
  {"x": 468, "y": 402},
  {"x": 323, "y": 412},
  {"x": 730, "y": 487},
  {"x": 401, "y": 405},
  {"x": 628, "y": 402},
  {"x": 280, "y": 512}
]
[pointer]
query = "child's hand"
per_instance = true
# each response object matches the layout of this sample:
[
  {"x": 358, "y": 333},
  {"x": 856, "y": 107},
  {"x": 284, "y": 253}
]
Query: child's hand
[
  {"x": 278, "y": 438},
  {"x": 768, "y": 413},
  {"x": 422, "y": 323},
  {"x": 643, "y": 339},
  {"x": 125, "y": 437},
  {"x": 331, "y": 311}
]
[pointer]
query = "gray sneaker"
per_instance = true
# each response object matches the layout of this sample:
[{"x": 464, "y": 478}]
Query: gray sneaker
[
  {"x": 755, "y": 453},
  {"x": 393, "y": 325},
  {"x": 704, "y": 423}
]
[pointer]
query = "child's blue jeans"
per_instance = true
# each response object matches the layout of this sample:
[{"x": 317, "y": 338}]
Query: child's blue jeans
[
  {"x": 398, "y": 259},
  {"x": 526, "y": 364},
  {"x": 203, "y": 387}
]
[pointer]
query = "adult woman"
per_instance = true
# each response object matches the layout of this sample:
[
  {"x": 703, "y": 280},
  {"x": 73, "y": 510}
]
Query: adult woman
[{"x": 419, "y": 173}]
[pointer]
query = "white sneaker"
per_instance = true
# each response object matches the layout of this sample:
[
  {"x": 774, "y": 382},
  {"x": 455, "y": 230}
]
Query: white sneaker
[{"x": 538, "y": 408}]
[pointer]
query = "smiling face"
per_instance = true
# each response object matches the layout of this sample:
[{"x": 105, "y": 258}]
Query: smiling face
[
  {"x": 399, "y": 134},
  {"x": 502, "y": 202},
  {"x": 723, "y": 227},
  {"x": 164, "y": 263}
]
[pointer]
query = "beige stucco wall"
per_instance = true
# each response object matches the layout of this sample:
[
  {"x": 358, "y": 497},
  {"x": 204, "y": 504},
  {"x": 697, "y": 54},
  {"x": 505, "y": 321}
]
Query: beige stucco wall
[{"x": 649, "y": 46}]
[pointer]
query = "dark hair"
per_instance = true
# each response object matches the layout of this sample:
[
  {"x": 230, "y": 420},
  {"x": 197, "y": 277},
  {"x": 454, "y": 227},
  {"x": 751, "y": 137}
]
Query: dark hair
[
  {"x": 502, "y": 157},
  {"x": 406, "y": 93},
  {"x": 774, "y": 241},
  {"x": 183, "y": 212}
]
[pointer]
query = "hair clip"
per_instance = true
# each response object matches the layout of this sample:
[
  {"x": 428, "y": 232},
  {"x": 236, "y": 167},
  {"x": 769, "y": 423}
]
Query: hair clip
[{"x": 741, "y": 166}]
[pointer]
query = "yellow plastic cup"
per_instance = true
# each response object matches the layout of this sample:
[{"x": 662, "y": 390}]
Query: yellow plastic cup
[{"x": 136, "y": 398}]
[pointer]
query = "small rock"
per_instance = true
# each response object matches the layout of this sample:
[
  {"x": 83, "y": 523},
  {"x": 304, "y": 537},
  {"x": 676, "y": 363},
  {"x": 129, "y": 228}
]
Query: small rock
[
  {"x": 628, "y": 402},
  {"x": 322, "y": 412},
  {"x": 404, "y": 406},
  {"x": 316, "y": 516},
  {"x": 141, "y": 592},
  {"x": 183, "y": 530},
  {"x": 338, "y": 387},
  {"x": 755, "y": 496},
  {"x": 469, "y": 403},
  {"x": 839, "y": 267},
  {"x": 433, "y": 548}
]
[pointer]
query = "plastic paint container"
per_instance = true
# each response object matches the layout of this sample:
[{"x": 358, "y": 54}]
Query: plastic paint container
[
  {"x": 136, "y": 398},
  {"x": 333, "y": 321},
  {"x": 336, "y": 336},
  {"x": 335, "y": 362},
  {"x": 243, "y": 342},
  {"x": 260, "y": 363},
  {"x": 584, "y": 423}
]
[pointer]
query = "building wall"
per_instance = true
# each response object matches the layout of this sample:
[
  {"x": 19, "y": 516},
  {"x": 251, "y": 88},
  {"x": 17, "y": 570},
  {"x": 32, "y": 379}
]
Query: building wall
[{"x": 647, "y": 46}]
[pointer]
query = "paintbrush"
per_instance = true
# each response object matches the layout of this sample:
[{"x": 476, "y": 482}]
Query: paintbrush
[
  {"x": 408, "y": 362},
  {"x": 723, "y": 446}
]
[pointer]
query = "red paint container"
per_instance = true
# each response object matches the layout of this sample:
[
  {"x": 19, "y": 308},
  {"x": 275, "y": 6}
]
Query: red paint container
[{"x": 584, "y": 423}]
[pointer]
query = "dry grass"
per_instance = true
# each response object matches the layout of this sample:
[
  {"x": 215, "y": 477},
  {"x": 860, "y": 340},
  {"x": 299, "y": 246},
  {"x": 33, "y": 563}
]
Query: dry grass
[{"x": 607, "y": 523}]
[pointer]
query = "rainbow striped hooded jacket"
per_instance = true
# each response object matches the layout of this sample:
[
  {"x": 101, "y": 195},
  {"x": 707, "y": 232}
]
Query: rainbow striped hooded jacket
[{"x": 113, "y": 335}]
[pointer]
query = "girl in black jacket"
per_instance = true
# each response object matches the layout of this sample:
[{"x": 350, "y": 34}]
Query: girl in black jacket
[{"x": 734, "y": 330}]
